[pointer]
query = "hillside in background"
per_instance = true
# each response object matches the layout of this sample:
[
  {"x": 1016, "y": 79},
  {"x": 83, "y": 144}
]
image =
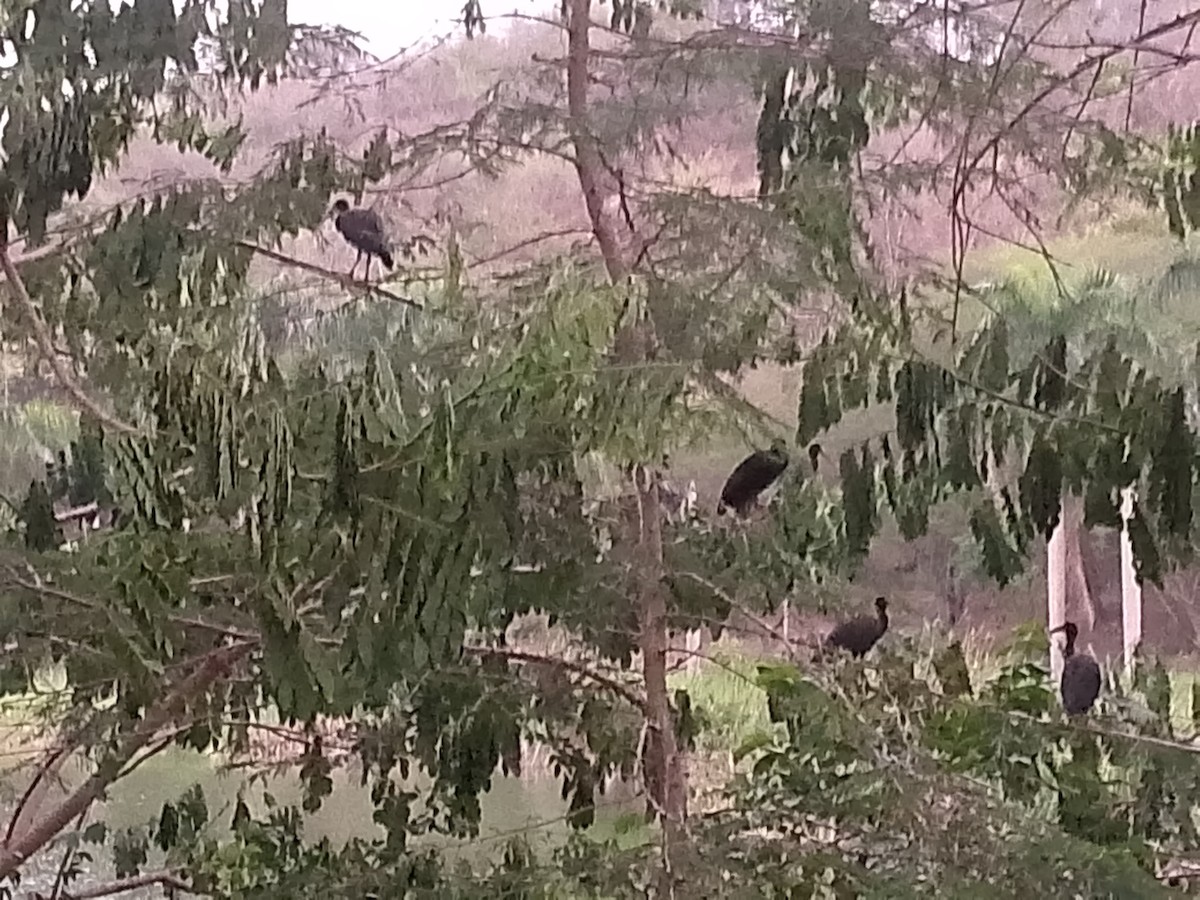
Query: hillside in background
[{"x": 528, "y": 210}]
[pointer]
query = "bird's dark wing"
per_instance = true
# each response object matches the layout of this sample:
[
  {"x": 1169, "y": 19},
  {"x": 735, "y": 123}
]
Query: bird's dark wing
[
  {"x": 838, "y": 636},
  {"x": 368, "y": 221},
  {"x": 848, "y": 635},
  {"x": 364, "y": 229},
  {"x": 1090, "y": 679},
  {"x": 1080, "y": 684},
  {"x": 752, "y": 475}
]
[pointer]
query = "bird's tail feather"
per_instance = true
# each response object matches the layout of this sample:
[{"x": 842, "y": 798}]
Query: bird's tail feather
[{"x": 387, "y": 260}]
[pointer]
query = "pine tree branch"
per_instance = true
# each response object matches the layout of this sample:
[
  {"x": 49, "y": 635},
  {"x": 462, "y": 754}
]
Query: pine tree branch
[
  {"x": 45, "y": 343},
  {"x": 9, "y": 575}
]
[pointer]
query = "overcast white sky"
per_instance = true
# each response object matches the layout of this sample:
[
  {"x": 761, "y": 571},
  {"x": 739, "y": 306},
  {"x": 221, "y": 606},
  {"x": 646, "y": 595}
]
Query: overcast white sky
[{"x": 391, "y": 25}]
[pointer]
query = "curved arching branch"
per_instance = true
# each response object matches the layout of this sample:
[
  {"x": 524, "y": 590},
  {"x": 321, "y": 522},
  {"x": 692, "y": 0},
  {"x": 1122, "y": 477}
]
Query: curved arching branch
[{"x": 45, "y": 343}]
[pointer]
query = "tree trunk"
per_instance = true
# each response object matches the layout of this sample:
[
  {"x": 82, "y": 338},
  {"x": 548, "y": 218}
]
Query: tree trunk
[
  {"x": 665, "y": 782},
  {"x": 1077, "y": 580},
  {"x": 665, "y": 786},
  {"x": 1131, "y": 588},
  {"x": 1056, "y": 592}
]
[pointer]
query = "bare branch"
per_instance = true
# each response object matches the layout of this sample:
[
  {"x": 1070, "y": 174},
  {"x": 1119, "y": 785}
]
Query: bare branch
[
  {"x": 1093, "y": 59},
  {"x": 529, "y": 242},
  {"x": 166, "y": 878},
  {"x": 213, "y": 666},
  {"x": 344, "y": 280},
  {"x": 566, "y": 665},
  {"x": 35, "y": 793},
  {"x": 772, "y": 633},
  {"x": 45, "y": 342}
]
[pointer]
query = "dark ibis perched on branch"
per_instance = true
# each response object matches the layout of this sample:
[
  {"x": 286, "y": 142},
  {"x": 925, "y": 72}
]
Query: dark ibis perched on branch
[
  {"x": 1081, "y": 674},
  {"x": 363, "y": 230},
  {"x": 858, "y": 635},
  {"x": 753, "y": 475}
]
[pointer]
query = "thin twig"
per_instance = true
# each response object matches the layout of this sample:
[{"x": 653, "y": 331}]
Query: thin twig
[
  {"x": 771, "y": 632},
  {"x": 1137, "y": 54}
]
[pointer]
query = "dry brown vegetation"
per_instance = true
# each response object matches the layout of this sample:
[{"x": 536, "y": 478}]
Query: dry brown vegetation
[{"x": 534, "y": 209}]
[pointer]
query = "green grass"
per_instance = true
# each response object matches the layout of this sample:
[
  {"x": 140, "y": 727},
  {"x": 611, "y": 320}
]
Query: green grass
[
  {"x": 27, "y": 434},
  {"x": 725, "y": 695},
  {"x": 734, "y": 708},
  {"x": 1135, "y": 243}
]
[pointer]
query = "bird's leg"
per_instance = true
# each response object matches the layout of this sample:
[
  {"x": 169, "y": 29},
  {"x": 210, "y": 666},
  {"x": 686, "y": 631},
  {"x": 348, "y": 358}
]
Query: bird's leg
[
  {"x": 357, "y": 259},
  {"x": 367, "y": 271}
]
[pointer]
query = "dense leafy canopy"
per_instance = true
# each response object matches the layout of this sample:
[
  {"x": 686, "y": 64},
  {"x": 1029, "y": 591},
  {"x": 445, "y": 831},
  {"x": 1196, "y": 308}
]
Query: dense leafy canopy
[{"x": 346, "y": 531}]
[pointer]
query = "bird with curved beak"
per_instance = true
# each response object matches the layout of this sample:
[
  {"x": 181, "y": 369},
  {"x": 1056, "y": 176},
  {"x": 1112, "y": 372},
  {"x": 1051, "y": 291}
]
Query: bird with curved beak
[
  {"x": 363, "y": 230},
  {"x": 1081, "y": 674}
]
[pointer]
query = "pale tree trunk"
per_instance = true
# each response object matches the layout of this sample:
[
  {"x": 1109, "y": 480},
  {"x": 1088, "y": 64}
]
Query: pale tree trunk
[
  {"x": 664, "y": 775},
  {"x": 1131, "y": 590},
  {"x": 693, "y": 645},
  {"x": 1077, "y": 580},
  {"x": 1056, "y": 593}
]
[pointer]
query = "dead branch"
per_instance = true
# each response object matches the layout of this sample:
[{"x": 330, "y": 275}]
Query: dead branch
[{"x": 42, "y": 252}]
